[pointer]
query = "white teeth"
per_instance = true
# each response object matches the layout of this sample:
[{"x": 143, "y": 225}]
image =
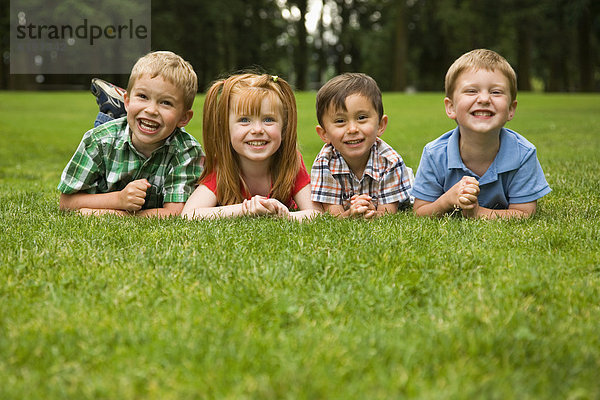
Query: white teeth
[
  {"x": 148, "y": 124},
  {"x": 483, "y": 113},
  {"x": 257, "y": 143},
  {"x": 354, "y": 141}
]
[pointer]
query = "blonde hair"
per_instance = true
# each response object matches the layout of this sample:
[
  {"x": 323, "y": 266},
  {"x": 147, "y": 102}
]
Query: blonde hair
[
  {"x": 480, "y": 59},
  {"x": 249, "y": 90},
  {"x": 172, "y": 68}
]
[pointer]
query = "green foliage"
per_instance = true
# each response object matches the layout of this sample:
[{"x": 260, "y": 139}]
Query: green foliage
[
  {"x": 552, "y": 44},
  {"x": 263, "y": 308}
]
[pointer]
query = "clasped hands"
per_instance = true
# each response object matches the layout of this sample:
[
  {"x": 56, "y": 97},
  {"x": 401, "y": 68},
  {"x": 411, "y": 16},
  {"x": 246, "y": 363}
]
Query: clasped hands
[
  {"x": 464, "y": 196},
  {"x": 260, "y": 205},
  {"x": 362, "y": 205}
]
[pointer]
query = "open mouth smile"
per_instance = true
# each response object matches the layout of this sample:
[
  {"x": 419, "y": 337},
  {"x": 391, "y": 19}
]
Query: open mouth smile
[
  {"x": 355, "y": 141},
  {"x": 257, "y": 143},
  {"x": 482, "y": 113},
  {"x": 148, "y": 126}
]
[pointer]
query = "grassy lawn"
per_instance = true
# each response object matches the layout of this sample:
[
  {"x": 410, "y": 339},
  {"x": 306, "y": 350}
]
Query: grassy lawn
[{"x": 400, "y": 307}]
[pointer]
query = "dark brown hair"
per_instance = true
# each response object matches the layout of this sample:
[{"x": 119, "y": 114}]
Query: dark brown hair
[{"x": 336, "y": 90}]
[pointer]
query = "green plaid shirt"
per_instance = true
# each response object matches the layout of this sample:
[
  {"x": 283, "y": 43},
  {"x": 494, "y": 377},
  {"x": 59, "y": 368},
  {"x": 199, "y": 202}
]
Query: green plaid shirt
[{"x": 106, "y": 161}]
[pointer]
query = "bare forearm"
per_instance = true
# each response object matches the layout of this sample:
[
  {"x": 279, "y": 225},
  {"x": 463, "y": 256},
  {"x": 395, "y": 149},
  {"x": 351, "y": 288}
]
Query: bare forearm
[
  {"x": 304, "y": 214},
  {"x": 336, "y": 210},
  {"x": 489, "y": 213},
  {"x": 168, "y": 209},
  {"x": 98, "y": 201},
  {"x": 436, "y": 209},
  {"x": 384, "y": 209},
  {"x": 102, "y": 211},
  {"x": 214, "y": 212}
]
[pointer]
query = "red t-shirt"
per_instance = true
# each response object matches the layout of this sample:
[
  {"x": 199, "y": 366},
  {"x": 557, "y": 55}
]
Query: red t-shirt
[{"x": 302, "y": 179}]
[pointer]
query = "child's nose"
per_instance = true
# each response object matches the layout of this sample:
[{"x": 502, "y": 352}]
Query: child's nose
[
  {"x": 257, "y": 127},
  {"x": 484, "y": 97},
  {"x": 352, "y": 127},
  {"x": 152, "y": 107}
]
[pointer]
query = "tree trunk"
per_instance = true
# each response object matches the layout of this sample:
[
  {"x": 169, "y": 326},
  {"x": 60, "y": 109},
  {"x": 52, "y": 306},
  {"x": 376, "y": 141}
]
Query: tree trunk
[
  {"x": 342, "y": 45},
  {"x": 584, "y": 29},
  {"x": 523, "y": 57},
  {"x": 321, "y": 51},
  {"x": 400, "y": 49},
  {"x": 301, "y": 51}
]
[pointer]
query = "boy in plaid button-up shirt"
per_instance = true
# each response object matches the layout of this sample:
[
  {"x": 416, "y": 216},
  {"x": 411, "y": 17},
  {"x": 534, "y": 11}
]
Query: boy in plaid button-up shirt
[
  {"x": 356, "y": 173},
  {"x": 143, "y": 163}
]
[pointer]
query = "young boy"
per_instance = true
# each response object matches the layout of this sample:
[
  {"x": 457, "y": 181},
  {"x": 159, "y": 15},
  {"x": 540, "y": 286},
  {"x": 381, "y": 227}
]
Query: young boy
[
  {"x": 143, "y": 163},
  {"x": 356, "y": 173},
  {"x": 480, "y": 168}
]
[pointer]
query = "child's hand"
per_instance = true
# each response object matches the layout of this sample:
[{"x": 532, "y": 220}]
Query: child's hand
[
  {"x": 133, "y": 196},
  {"x": 468, "y": 200},
  {"x": 260, "y": 205},
  {"x": 362, "y": 205},
  {"x": 275, "y": 206},
  {"x": 466, "y": 192}
]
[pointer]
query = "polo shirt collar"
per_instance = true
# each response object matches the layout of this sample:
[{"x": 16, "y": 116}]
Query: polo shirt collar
[
  {"x": 454, "y": 160},
  {"x": 507, "y": 158}
]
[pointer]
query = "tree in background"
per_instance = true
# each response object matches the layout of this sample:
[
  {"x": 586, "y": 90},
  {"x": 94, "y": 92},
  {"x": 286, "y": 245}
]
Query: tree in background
[
  {"x": 300, "y": 47},
  {"x": 554, "y": 45},
  {"x": 223, "y": 36}
]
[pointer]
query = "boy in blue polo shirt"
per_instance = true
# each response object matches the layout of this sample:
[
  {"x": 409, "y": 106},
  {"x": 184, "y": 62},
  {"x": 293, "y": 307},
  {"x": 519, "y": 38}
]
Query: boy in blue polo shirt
[{"x": 480, "y": 168}]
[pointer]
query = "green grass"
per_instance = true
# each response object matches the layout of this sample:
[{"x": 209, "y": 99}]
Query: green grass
[{"x": 400, "y": 307}]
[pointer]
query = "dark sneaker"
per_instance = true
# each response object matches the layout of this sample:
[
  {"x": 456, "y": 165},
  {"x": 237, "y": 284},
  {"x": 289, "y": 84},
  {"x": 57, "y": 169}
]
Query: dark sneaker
[{"x": 109, "y": 98}]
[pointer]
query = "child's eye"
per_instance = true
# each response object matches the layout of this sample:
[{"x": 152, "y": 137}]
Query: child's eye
[
  {"x": 166, "y": 102},
  {"x": 362, "y": 117},
  {"x": 244, "y": 120},
  {"x": 338, "y": 121},
  {"x": 269, "y": 119},
  {"x": 141, "y": 96},
  {"x": 497, "y": 92}
]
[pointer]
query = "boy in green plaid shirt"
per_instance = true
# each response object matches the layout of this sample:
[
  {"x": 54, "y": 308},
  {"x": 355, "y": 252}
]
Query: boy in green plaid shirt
[{"x": 144, "y": 163}]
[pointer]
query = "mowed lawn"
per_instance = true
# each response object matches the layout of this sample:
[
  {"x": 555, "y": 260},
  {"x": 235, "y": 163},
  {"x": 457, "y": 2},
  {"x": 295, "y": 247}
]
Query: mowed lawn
[{"x": 400, "y": 307}]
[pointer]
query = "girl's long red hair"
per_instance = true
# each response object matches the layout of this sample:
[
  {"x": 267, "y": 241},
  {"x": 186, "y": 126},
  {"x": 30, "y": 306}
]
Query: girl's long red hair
[{"x": 249, "y": 89}]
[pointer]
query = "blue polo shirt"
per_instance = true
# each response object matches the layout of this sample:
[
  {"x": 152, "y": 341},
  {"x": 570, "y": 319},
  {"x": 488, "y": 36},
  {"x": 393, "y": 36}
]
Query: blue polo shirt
[{"x": 515, "y": 175}]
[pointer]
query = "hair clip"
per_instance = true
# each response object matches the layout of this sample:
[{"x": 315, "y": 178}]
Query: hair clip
[{"x": 275, "y": 77}]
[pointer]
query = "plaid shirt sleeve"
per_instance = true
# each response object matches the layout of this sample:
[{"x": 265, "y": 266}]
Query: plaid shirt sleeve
[
  {"x": 396, "y": 184},
  {"x": 324, "y": 187},
  {"x": 83, "y": 170},
  {"x": 187, "y": 165}
]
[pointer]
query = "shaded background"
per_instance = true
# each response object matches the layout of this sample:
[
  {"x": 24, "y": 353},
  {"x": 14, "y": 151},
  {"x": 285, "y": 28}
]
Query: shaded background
[{"x": 554, "y": 45}]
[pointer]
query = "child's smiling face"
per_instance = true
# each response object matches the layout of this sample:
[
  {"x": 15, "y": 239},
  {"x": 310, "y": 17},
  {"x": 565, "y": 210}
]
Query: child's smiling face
[
  {"x": 353, "y": 131},
  {"x": 481, "y": 101},
  {"x": 154, "y": 109},
  {"x": 256, "y": 136}
]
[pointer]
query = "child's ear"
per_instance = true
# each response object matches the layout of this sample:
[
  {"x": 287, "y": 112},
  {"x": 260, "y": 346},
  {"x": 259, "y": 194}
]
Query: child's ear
[
  {"x": 185, "y": 118},
  {"x": 323, "y": 134},
  {"x": 450, "y": 112},
  {"x": 511, "y": 110},
  {"x": 126, "y": 100},
  {"x": 382, "y": 125}
]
